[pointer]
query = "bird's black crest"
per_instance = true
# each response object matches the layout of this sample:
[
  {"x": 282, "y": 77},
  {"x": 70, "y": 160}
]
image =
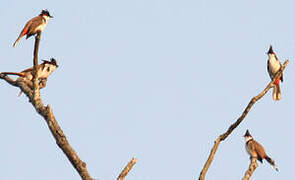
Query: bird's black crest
[
  {"x": 247, "y": 134},
  {"x": 53, "y": 62},
  {"x": 45, "y": 12},
  {"x": 270, "y": 51}
]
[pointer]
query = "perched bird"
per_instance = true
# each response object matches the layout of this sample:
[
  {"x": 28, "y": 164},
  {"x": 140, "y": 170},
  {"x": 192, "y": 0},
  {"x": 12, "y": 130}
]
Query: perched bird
[
  {"x": 256, "y": 150},
  {"x": 273, "y": 66},
  {"x": 44, "y": 70},
  {"x": 37, "y": 24}
]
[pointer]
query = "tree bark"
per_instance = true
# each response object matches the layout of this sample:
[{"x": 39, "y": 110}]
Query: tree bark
[
  {"x": 253, "y": 165},
  {"x": 126, "y": 170}
]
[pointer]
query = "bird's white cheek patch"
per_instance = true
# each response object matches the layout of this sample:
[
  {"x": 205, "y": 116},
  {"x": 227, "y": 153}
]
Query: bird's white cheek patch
[{"x": 46, "y": 71}]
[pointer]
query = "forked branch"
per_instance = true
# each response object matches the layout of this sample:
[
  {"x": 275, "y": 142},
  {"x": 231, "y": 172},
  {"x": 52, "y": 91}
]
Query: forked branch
[{"x": 31, "y": 90}]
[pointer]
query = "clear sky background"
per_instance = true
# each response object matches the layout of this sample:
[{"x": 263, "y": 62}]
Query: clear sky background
[{"x": 156, "y": 80}]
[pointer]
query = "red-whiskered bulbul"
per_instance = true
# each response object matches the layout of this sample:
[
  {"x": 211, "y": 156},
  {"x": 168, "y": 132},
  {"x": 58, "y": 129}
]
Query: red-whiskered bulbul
[
  {"x": 256, "y": 150},
  {"x": 37, "y": 24},
  {"x": 273, "y": 66},
  {"x": 44, "y": 70}
]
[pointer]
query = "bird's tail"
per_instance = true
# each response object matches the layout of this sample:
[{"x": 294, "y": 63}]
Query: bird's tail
[
  {"x": 17, "y": 40},
  {"x": 13, "y": 73},
  {"x": 276, "y": 93},
  {"x": 272, "y": 162}
]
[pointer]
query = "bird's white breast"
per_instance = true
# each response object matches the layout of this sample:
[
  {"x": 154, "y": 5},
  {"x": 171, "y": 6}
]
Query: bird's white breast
[
  {"x": 43, "y": 24},
  {"x": 247, "y": 149},
  {"x": 274, "y": 64},
  {"x": 46, "y": 71},
  {"x": 248, "y": 138}
]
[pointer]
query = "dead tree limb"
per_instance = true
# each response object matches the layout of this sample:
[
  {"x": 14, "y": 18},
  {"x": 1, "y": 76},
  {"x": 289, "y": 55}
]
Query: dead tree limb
[
  {"x": 8, "y": 80},
  {"x": 253, "y": 165},
  {"x": 46, "y": 112},
  {"x": 42, "y": 82},
  {"x": 223, "y": 136},
  {"x": 36, "y": 90},
  {"x": 126, "y": 170}
]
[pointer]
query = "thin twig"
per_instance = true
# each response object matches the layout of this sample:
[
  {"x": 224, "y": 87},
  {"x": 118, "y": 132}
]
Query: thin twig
[
  {"x": 223, "y": 136},
  {"x": 126, "y": 170},
  {"x": 253, "y": 165}
]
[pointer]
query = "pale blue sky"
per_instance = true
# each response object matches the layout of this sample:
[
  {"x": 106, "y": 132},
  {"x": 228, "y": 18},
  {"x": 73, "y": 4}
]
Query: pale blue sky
[{"x": 155, "y": 80}]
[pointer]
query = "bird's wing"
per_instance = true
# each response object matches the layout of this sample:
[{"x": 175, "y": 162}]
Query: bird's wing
[
  {"x": 36, "y": 21},
  {"x": 260, "y": 150},
  {"x": 27, "y": 27},
  {"x": 28, "y": 70}
]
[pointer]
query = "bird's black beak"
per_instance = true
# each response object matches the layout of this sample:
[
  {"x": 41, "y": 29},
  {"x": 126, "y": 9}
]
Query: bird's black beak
[{"x": 51, "y": 16}]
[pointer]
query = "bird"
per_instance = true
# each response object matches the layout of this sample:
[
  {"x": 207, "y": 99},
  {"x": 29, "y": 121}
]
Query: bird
[
  {"x": 273, "y": 66},
  {"x": 35, "y": 25},
  {"x": 44, "y": 70},
  {"x": 256, "y": 150}
]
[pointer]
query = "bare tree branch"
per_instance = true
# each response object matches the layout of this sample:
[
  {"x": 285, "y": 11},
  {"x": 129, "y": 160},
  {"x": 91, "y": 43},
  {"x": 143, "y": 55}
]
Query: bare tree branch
[
  {"x": 126, "y": 170},
  {"x": 28, "y": 84},
  {"x": 253, "y": 165},
  {"x": 62, "y": 142},
  {"x": 223, "y": 136},
  {"x": 8, "y": 79},
  {"x": 31, "y": 90},
  {"x": 36, "y": 90}
]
